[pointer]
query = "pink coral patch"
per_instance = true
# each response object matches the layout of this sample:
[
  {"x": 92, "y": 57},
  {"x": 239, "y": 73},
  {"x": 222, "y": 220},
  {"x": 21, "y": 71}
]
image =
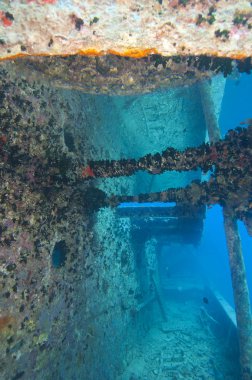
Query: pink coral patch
[
  {"x": 5, "y": 20},
  {"x": 41, "y": 2},
  {"x": 87, "y": 172}
]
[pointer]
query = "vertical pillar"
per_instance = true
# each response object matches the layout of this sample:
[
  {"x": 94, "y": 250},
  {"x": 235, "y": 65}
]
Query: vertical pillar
[
  {"x": 209, "y": 112},
  {"x": 151, "y": 255},
  {"x": 241, "y": 294},
  {"x": 237, "y": 268},
  {"x": 248, "y": 223}
]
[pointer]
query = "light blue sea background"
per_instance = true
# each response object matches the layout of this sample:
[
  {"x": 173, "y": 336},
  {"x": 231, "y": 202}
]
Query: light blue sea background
[{"x": 236, "y": 108}]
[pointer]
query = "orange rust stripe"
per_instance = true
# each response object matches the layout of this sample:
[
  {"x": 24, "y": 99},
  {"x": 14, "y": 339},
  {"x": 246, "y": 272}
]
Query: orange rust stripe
[
  {"x": 131, "y": 53},
  {"x": 134, "y": 53}
]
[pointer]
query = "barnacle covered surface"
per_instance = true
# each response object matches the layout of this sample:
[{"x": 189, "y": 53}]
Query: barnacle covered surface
[
  {"x": 68, "y": 268},
  {"x": 229, "y": 162},
  {"x": 127, "y": 27},
  {"x": 29, "y": 217},
  {"x": 116, "y": 75},
  {"x": 48, "y": 245}
]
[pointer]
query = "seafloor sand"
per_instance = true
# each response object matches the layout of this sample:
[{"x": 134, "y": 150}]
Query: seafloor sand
[{"x": 187, "y": 347}]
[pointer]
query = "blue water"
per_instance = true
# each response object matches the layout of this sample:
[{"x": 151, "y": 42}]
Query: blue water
[
  {"x": 214, "y": 255},
  {"x": 237, "y": 102},
  {"x": 236, "y": 108},
  {"x": 212, "y": 262},
  {"x": 181, "y": 265}
]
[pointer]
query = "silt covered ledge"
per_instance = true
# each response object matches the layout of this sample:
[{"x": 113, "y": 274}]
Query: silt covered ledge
[{"x": 125, "y": 27}]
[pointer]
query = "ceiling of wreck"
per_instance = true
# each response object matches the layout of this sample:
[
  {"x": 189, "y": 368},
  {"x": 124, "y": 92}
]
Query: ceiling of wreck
[
  {"x": 93, "y": 47},
  {"x": 115, "y": 75},
  {"x": 126, "y": 27}
]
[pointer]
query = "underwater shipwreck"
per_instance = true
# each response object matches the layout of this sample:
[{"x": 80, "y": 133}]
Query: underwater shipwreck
[{"x": 113, "y": 162}]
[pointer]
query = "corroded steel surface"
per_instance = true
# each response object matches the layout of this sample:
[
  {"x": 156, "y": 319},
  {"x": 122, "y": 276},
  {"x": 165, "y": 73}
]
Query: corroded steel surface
[
  {"x": 126, "y": 27},
  {"x": 115, "y": 75},
  {"x": 44, "y": 304},
  {"x": 229, "y": 185}
]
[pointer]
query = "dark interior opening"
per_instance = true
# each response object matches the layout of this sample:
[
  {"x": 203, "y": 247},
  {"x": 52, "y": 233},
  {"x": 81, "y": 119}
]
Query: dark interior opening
[
  {"x": 59, "y": 254},
  {"x": 69, "y": 141}
]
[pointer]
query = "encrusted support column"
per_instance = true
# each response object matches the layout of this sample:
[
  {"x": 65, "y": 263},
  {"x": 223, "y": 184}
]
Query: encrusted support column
[
  {"x": 237, "y": 268},
  {"x": 211, "y": 120},
  {"x": 151, "y": 256},
  {"x": 241, "y": 294}
]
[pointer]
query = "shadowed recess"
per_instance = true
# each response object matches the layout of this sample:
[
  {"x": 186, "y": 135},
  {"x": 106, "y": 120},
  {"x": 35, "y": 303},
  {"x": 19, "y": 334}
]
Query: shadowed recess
[{"x": 59, "y": 254}]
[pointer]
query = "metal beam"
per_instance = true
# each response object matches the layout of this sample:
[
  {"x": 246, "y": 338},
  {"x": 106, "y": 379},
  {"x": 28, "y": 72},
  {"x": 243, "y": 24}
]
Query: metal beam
[{"x": 241, "y": 294}]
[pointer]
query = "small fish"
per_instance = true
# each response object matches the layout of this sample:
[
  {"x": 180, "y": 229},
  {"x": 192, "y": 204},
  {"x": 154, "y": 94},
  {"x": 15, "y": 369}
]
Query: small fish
[{"x": 205, "y": 300}]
